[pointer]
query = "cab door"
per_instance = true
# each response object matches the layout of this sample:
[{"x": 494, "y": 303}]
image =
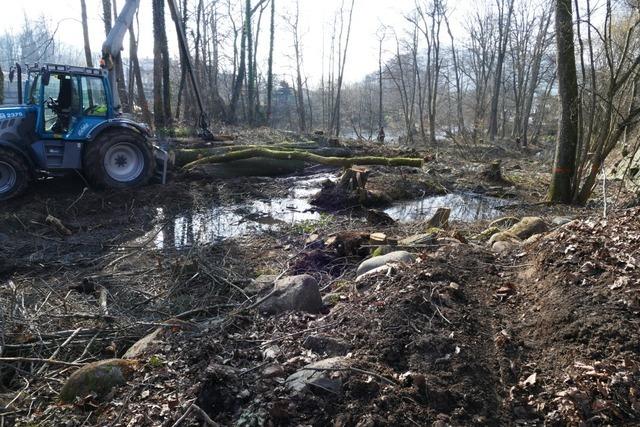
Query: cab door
[{"x": 94, "y": 104}]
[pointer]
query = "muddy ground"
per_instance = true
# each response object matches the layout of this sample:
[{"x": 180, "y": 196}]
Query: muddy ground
[{"x": 545, "y": 333}]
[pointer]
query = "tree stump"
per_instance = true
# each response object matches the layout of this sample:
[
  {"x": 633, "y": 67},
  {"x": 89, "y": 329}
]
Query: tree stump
[
  {"x": 440, "y": 219},
  {"x": 493, "y": 171}
]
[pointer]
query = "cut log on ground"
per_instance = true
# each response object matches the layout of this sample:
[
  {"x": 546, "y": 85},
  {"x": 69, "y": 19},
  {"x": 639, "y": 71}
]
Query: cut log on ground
[
  {"x": 257, "y": 166},
  {"x": 306, "y": 157}
]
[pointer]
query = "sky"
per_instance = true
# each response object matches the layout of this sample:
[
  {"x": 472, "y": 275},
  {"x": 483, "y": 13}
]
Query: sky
[{"x": 369, "y": 15}]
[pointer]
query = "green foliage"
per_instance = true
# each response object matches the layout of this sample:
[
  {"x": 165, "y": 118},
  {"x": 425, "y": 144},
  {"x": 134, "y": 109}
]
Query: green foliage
[{"x": 156, "y": 361}]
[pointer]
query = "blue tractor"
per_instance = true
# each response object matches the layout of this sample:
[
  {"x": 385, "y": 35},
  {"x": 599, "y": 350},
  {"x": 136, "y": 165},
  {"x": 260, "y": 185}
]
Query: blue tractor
[{"x": 66, "y": 120}]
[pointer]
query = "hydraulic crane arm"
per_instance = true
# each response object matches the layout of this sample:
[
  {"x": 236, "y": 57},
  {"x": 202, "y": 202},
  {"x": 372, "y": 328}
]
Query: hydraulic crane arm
[{"x": 113, "y": 45}]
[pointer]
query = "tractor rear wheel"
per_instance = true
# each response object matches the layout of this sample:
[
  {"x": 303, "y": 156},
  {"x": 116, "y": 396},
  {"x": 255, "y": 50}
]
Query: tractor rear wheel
[
  {"x": 14, "y": 174},
  {"x": 119, "y": 159}
]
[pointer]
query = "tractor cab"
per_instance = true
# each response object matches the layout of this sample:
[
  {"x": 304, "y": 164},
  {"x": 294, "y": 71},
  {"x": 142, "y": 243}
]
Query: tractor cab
[{"x": 69, "y": 101}]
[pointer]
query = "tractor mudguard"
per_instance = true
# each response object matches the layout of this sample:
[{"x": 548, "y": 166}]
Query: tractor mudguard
[{"x": 118, "y": 123}]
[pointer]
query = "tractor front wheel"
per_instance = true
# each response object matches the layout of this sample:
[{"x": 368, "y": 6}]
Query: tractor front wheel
[
  {"x": 14, "y": 174},
  {"x": 119, "y": 159}
]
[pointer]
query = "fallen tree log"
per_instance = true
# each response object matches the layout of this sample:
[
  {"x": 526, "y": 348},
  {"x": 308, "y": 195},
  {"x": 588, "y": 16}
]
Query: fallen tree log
[
  {"x": 257, "y": 166},
  {"x": 306, "y": 157},
  {"x": 185, "y": 156}
]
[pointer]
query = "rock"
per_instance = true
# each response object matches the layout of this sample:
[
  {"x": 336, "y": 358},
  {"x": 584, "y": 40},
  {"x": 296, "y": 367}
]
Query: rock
[
  {"x": 503, "y": 236},
  {"x": 98, "y": 377},
  {"x": 393, "y": 257},
  {"x": 261, "y": 284},
  {"x": 505, "y": 222},
  {"x": 147, "y": 345},
  {"x": 273, "y": 371},
  {"x": 418, "y": 239},
  {"x": 294, "y": 293},
  {"x": 505, "y": 246},
  {"x": 324, "y": 345},
  {"x": 440, "y": 219},
  {"x": 528, "y": 226},
  {"x": 324, "y": 375},
  {"x": 143, "y": 345},
  {"x": 558, "y": 221}
]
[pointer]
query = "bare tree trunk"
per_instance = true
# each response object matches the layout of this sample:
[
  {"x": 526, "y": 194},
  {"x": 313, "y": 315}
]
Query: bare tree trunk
[
  {"x": 270, "y": 70},
  {"x": 122, "y": 84},
  {"x": 240, "y": 75},
  {"x": 85, "y": 34},
  {"x": 137, "y": 77},
  {"x": 183, "y": 68},
  {"x": 335, "y": 118},
  {"x": 503, "y": 40},
  {"x": 380, "y": 94},
  {"x": 456, "y": 68},
  {"x": 250, "y": 66},
  {"x": 539, "y": 49},
  {"x": 158, "y": 101},
  {"x": 302, "y": 122},
  {"x": 561, "y": 190}
]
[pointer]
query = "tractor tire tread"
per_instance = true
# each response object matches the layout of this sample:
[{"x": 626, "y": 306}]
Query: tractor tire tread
[
  {"x": 93, "y": 166},
  {"x": 22, "y": 170}
]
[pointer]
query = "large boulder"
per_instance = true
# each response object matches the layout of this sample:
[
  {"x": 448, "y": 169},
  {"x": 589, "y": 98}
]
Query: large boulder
[
  {"x": 294, "y": 293},
  {"x": 379, "y": 261},
  {"x": 97, "y": 378},
  {"x": 528, "y": 226},
  {"x": 324, "y": 375}
]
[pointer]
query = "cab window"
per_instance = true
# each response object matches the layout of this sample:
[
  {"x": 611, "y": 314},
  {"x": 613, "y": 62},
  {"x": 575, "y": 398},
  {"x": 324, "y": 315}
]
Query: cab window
[
  {"x": 34, "y": 92},
  {"x": 94, "y": 97}
]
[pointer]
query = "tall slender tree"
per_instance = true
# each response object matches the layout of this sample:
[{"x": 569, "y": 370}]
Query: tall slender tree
[
  {"x": 85, "y": 34},
  {"x": 561, "y": 190},
  {"x": 272, "y": 32}
]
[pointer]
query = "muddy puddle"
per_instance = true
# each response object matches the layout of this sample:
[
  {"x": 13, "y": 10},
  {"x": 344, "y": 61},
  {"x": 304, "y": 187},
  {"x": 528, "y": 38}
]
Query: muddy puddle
[
  {"x": 465, "y": 207},
  {"x": 218, "y": 223}
]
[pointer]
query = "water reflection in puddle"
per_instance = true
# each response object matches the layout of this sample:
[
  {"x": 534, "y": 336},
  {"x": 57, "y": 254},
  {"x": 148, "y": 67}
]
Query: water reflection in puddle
[
  {"x": 219, "y": 223},
  {"x": 222, "y": 222},
  {"x": 464, "y": 207}
]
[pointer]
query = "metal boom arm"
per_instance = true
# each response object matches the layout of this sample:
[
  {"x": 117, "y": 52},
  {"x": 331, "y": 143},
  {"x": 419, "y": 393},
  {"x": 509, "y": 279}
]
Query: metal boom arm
[{"x": 113, "y": 45}]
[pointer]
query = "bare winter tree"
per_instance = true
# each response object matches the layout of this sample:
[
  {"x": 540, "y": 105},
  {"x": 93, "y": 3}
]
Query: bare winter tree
[
  {"x": 85, "y": 33},
  {"x": 505, "y": 13}
]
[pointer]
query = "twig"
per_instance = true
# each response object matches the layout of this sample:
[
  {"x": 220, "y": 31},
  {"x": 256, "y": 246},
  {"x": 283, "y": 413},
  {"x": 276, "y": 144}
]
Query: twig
[
  {"x": 55, "y": 353},
  {"x": 37, "y": 360},
  {"x": 360, "y": 371},
  {"x": 204, "y": 416},
  {"x": 78, "y": 199},
  {"x": 185, "y": 415}
]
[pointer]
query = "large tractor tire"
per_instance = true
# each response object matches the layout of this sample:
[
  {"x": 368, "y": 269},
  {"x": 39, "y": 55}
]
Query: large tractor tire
[
  {"x": 14, "y": 174},
  {"x": 119, "y": 159}
]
